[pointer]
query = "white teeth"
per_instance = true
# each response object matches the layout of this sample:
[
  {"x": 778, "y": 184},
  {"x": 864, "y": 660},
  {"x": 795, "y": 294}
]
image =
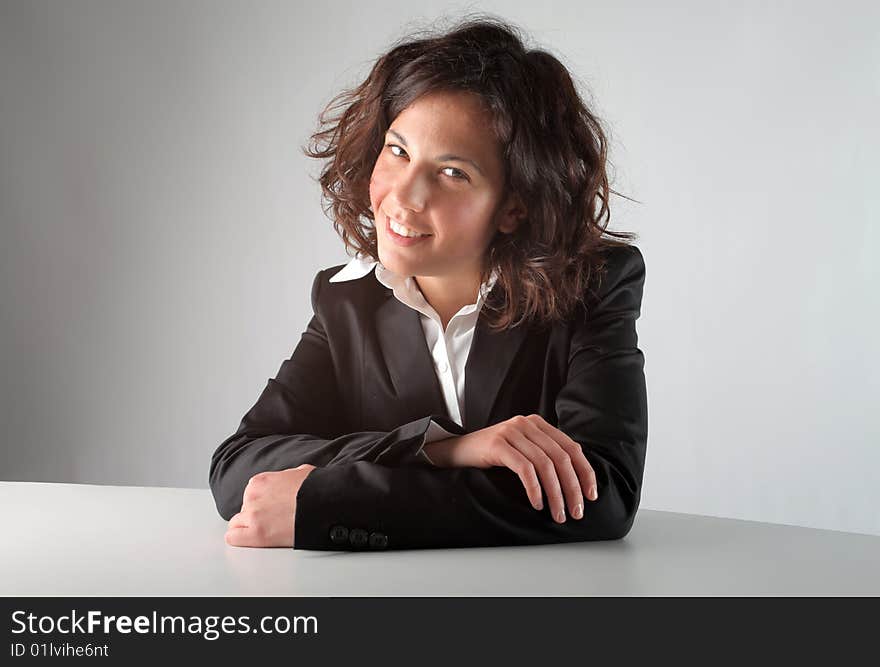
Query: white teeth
[{"x": 403, "y": 231}]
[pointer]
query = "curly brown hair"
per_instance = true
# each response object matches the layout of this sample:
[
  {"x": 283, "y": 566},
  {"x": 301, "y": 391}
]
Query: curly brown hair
[{"x": 554, "y": 149}]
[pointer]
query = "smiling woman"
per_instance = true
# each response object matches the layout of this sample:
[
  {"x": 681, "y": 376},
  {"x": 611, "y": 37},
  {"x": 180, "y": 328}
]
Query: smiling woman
[{"x": 473, "y": 371}]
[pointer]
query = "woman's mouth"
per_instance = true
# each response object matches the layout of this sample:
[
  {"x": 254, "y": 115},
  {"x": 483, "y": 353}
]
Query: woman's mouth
[{"x": 402, "y": 237}]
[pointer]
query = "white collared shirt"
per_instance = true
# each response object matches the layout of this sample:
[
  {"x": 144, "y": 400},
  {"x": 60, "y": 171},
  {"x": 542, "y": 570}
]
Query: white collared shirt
[{"x": 449, "y": 348}]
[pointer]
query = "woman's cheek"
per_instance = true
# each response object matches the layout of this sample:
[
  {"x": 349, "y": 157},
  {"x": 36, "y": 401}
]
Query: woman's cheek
[{"x": 378, "y": 190}]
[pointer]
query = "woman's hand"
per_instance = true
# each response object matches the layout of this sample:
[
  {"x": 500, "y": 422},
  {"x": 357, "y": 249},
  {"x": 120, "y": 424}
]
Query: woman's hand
[
  {"x": 268, "y": 509},
  {"x": 532, "y": 448}
]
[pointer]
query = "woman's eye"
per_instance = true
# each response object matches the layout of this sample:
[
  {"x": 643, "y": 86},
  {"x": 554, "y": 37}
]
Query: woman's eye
[
  {"x": 458, "y": 173},
  {"x": 393, "y": 146}
]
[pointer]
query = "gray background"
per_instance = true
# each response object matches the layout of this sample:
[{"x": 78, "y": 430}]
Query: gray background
[{"x": 161, "y": 229}]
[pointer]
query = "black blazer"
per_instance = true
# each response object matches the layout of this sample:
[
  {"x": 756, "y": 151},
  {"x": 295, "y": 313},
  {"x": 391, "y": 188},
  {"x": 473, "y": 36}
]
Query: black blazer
[{"x": 360, "y": 389}]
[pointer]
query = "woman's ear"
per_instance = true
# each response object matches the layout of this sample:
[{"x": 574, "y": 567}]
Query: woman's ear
[{"x": 511, "y": 213}]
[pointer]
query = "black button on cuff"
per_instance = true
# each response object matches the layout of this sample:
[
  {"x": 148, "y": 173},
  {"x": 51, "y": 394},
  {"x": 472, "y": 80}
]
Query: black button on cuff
[
  {"x": 358, "y": 537},
  {"x": 378, "y": 540},
  {"x": 339, "y": 535}
]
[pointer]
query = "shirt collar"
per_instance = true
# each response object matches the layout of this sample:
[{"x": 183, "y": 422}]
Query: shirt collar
[
  {"x": 404, "y": 287},
  {"x": 358, "y": 267}
]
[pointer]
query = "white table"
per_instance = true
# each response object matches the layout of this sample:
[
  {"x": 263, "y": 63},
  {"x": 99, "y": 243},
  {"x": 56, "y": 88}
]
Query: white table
[{"x": 77, "y": 539}]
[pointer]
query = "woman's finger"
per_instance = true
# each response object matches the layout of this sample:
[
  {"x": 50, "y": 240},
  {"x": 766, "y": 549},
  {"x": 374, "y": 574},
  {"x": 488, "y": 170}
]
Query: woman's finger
[
  {"x": 565, "y": 470},
  {"x": 545, "y": 468},
  {"x": 241, "y": 537},
  {"x": 586, "y": 474},
  {"x": 511, "y": 458}
]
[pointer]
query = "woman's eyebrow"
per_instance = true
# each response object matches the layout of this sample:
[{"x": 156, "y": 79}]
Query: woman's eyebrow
[{"x": 448, "y": 157}]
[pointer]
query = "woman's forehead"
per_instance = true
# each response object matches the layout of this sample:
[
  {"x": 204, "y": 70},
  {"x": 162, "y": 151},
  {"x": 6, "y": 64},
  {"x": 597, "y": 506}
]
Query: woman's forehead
[
  {"x": 455, "y": 123},
  {"x": 466, "y": 106}
]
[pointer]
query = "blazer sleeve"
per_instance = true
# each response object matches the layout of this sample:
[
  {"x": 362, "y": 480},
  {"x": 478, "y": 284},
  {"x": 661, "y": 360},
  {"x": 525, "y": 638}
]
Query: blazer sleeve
[
  {"x": 296, "y": 420},
  {"x": 602, "y": 406}
]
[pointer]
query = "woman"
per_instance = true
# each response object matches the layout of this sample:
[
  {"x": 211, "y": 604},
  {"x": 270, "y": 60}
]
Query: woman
[{"x": 473, "y": 372}]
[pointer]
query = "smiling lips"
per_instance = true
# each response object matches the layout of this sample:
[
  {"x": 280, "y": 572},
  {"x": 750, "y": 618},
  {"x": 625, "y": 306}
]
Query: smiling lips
[
  {"x": 404, "y": 231},
  {"x": 403, "y": 235}
]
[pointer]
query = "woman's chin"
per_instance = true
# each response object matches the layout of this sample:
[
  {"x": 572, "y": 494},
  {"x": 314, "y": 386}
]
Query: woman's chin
[{"x": 391, "y": 261}]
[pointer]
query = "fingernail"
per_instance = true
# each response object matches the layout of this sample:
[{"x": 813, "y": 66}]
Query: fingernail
[
  {"x": 578, "y": 511},
  {"x": 539, "y": 506},
  {"x": 561, "y": 516},
  {"x": 593, "y": 493}
]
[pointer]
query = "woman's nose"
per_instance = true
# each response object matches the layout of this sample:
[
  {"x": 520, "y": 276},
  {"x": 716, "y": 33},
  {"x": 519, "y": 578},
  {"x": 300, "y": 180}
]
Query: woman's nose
[{"x": 411, "y": 190}]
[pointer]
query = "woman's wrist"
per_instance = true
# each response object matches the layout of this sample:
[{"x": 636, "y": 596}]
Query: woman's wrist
[{"x": 438, "y": 451}]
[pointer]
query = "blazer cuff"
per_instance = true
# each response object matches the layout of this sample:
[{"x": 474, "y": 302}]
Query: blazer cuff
[
  {"x": 404, "y": 444},
  {"x": 435, "y": 432}
]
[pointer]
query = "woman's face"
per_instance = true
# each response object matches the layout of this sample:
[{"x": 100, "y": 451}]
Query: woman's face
[{"x": 441, "y": 173}]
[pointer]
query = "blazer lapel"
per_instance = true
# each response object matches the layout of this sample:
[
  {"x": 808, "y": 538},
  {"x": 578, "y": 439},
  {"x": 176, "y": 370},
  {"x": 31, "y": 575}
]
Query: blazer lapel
[
  {"x": 412, "y": 371},
  {"x": 408, "y": 359},
  {"x": 489, "y": 360}
]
